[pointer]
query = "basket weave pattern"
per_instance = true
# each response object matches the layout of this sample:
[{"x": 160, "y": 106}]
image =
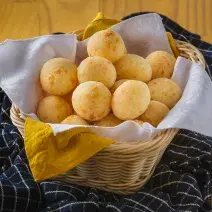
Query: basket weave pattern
[{"x": 122, "y": 167}]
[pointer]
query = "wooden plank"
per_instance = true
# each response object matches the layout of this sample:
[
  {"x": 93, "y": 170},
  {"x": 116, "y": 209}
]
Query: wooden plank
[
  {"x": 66, "y": 15},
  {"x": 19, "y": 20},
  {"x": 27, "y": 18}
]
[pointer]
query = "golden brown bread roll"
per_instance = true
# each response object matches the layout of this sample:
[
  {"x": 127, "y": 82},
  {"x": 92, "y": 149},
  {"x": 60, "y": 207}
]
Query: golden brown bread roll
[
  {"x": 108, "y": 121},
  {"x": 117, "y": 84},
  {"x": 130, "y": 100},
  {"x": 53, "y": 109},
  {"x": 162, "y": 64},
  {"x": 106, "y": 43},
  {"x": 97, "y": 69},
  {"x": 165, "y": 90},
  {"x": 133, "y": 67},
  {"x": 74, "y": 120},
  {"x": 58, "y": 76},
  {"x": 91, "y": 100},
  {"x": 155, "y": 113}
]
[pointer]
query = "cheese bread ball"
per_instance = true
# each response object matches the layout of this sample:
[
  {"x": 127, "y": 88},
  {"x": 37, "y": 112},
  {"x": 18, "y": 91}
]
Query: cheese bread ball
[
  {"x": 165, "y": 90},
  {"x": 130, "y": 100},
  {"x": 58, "y": 76},
  {"x": 162, "y": 64},
  {"x": 155, "y": 113},
  {"x": 74, "y": 119},
  {"x": 97, "y": 69},
  {"x": 108, "y": 44},
  {"x": 92, "y": 100},
  {"x": 117, "y": 84},
  {"x": 133, "y": 67},
  {"x": 109, "y": 121},
  {"x": 53, "y": 109}
]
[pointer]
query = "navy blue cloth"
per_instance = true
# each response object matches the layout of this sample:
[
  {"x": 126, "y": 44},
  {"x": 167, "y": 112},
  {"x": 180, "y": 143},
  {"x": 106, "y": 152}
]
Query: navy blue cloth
[{"x": 181, "y": 181}]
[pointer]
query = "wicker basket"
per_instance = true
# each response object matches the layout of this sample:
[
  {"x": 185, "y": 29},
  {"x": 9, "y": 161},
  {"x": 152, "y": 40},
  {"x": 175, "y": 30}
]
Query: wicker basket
[{"x": 122, "y": 167}]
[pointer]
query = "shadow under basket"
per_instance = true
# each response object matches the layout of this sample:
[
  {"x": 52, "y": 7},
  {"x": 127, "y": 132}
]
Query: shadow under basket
[{"x": 122, "y": 167}]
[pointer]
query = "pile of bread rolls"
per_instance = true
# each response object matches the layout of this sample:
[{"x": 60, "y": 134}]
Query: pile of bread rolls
[{"x": 108, "y": 87}]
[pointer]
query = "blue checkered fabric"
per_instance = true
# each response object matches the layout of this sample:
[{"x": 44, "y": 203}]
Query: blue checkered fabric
[{"x": 181, "y": 181}]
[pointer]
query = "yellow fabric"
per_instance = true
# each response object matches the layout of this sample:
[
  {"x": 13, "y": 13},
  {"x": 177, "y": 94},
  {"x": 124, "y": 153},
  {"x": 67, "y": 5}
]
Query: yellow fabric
[
  {"x": 173, "y": 44},
  {"x": 99, "y": 23},
  {"x": 51, "y": 155}
]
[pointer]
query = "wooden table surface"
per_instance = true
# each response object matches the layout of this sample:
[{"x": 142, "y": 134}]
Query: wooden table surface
[{"x": 27, "y": 18}]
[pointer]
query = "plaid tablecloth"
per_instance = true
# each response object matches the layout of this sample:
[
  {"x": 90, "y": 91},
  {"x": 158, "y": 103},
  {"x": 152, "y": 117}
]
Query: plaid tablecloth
[{"x": 181, "y": 182}]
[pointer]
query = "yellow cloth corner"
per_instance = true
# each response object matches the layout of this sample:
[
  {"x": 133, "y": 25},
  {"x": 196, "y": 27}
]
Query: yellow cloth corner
[
  {"x": 99, "y": 16},
  {"x": 99, "y": 23},
  {"x": 50, "y": 155},
  {"x": 173, "y": 45}
]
